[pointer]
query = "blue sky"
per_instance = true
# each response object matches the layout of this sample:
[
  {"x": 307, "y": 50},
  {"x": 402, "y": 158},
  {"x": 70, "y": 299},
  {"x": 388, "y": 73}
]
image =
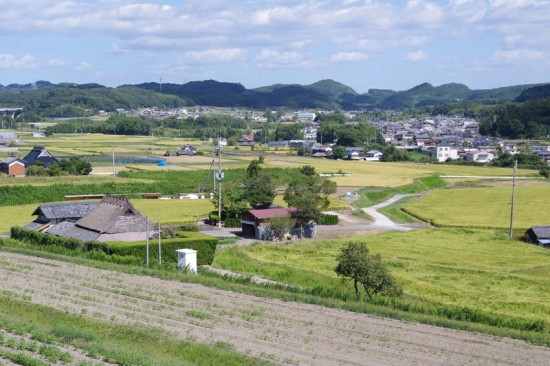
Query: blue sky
[{"x": 361, "y": 43}]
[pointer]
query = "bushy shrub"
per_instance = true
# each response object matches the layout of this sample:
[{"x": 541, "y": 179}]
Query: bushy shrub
[
  {"x": 232, "y": 222},
  {"x": 327, "y": 219}
]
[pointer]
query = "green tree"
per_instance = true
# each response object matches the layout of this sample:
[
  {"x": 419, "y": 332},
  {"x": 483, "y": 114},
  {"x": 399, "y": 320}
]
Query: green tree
[
  {"x": 358, "y": 264},
  {"x": 309, "y": 192},
  {"x": 233, "y": 201},
  {"x": 76, "y": 166},
  {"x": 259, "y": 188},
  {"x": 339, "y": 153},
  {"x": 281, "y": 225}
]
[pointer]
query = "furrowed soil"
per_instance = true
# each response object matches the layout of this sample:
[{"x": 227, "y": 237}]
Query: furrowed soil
[{"x": 278, "y": 331}]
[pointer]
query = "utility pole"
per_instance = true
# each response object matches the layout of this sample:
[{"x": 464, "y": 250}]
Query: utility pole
[
  {"x": 160, "y": 250},
  {"x": 513, "y": 199},
  {"x": 220, "y": 177},
  {"x": 147, "y": 242},
  {"x": 114, "y": 171}
]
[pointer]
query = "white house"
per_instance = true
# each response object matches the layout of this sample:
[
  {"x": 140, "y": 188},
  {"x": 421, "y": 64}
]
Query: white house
[
  {"x": 479, "y": 156},
  {"x": 443, "y": 152},
  {"x": 373, "y": 155}
]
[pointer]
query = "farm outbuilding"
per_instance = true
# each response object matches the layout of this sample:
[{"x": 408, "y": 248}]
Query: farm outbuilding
[
  {"x": 539, "y": 235},
  {"x": 256, "y": 222},
  {"x": 13, "y": 166}
]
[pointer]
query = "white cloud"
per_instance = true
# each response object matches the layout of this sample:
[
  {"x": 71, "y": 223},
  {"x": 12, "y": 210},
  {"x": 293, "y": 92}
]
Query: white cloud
[
  {"x": 270, "y": 58},
  {"x": 83, "y": 66},
  {"x": 215, "y": 55},
  {"x": 415, "y": 56},
  {"x": 521, "y": 55},
  {"x": 57, "y": 62},
  {"x": 348, "y": 57},
  {"x": 8, "y": 60}
]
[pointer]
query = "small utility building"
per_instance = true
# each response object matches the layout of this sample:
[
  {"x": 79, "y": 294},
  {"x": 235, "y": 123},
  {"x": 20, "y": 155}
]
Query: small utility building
[
  {"x": 13, "y": 166},
  {"x": 255, "y": 223},
  {"x": 539, "y": 235}
]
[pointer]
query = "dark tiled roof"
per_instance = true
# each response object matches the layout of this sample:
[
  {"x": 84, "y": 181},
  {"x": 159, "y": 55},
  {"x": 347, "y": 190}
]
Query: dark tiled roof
[
  {"x": 69, "y": 229},
  {"x": 272, "y": 212},
  {"x": 40, "y": 154},
  {"x": 542, "y": 232},
  {"x": 11, "y": 159},
  {"x": 35, "y": 225},
  {"x": 113, "y": 215},
  {"x": 65, "y": 210}
]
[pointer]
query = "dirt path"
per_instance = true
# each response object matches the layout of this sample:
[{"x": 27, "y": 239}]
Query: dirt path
[{"x": 279, "y": 331}]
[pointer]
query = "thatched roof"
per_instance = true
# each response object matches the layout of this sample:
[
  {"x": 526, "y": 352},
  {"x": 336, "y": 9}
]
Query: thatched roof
[{"x": 113, "y": 215}]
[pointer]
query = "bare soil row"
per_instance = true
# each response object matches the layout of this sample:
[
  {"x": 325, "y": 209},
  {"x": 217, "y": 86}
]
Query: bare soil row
[{"x": 283, "y": 332}]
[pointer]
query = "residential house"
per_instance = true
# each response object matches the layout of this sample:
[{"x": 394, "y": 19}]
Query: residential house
[
  {"x": 278, "y": 144},
  {"x": 305, "y": 116},
  {"x": 188, "y": 150},
  {"x": 443, "y": 152},
  {"x": 255, "y": 223},
  {"x": 111, "y": 219},
  {"x": 247, "y": 140},
  {"x": 539, "y": 235},
  {"x": 374, "y": 155},
  {"x": 13, "y": 166},
  {"x": 40, "y": 156},
  {"x": 479, "y": 156}
]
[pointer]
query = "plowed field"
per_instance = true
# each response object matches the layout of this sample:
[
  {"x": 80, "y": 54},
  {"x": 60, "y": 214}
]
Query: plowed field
[{"x": 283, "y": 332}]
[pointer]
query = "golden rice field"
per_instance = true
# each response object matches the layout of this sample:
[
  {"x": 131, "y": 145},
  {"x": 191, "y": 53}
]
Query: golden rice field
[
  {"x": 480, "y": 269},
  {"x": 485, "y": 207}
]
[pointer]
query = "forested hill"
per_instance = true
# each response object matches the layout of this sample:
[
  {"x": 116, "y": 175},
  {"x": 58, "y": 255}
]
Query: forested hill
[
  {"x": 329, "y": 94},
  {"x": 44, "y": 99},
  {"x": 84, "y": 100}
]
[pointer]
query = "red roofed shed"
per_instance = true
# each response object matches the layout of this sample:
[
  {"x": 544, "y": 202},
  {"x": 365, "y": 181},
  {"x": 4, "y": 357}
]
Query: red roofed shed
[{"x": 256, "y": 222}]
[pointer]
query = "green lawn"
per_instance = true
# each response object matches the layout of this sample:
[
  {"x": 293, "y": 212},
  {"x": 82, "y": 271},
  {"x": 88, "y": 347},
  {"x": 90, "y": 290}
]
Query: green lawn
[
  {"x": 478, "y": 269},
  {"x": 484, "y": 207}
]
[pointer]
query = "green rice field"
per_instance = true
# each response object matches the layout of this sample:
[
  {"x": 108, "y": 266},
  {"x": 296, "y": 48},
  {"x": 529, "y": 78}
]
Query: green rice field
[{"x": 479, "y": 269}]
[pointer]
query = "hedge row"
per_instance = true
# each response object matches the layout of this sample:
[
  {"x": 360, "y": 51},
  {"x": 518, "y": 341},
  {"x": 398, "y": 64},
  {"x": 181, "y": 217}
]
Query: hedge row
[
  {"x": 35, "y": 237},
  {"x": 204, "y": 245}
]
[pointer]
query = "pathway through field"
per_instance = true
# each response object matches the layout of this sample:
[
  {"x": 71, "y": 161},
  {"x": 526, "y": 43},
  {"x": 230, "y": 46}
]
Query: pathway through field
[{"x": 283, "y": 332}]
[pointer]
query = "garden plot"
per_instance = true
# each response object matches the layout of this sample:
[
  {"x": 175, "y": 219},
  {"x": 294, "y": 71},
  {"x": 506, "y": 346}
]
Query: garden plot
[
  {"x": 282, "y": 332},
  {"x": 26, "y": 350}
]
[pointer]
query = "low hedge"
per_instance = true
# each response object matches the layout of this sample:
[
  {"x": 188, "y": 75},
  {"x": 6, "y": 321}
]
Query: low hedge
[
  {"x": 232, "y": 222},
  {"x": 327, "y": 219},
  {"x": 35, "y": 237},
  {"x": 204, "y": 245}
]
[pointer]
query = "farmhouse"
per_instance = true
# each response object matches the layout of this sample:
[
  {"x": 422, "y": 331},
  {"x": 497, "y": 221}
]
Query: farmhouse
[
  {"x": 256, "y": 222},
  {"x": 40, "y": 156},
  {"x": 13, "y": 166},
  {"x": 539, "y": 235},
  {"x": 247, "y": 140},
  {"x": 188, "y": 150},
  {"x": 111, "y": 219}
]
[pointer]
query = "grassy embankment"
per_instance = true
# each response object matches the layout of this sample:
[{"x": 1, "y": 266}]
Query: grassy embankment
[{"x": 477, "y": 271}]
